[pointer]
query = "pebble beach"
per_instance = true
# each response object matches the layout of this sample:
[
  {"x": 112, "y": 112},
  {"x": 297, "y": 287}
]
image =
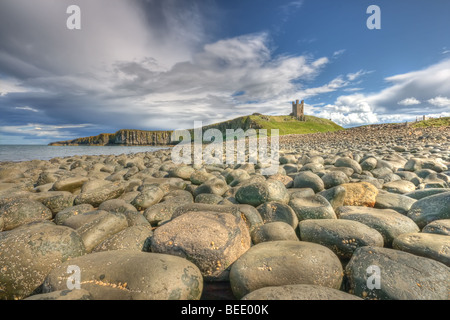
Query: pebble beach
[{"x": 362, "y": 213}]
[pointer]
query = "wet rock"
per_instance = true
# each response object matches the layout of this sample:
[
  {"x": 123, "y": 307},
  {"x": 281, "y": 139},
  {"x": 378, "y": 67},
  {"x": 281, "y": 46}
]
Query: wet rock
[
  {"x": 59, "y": 202},
  {"x": 69, "y": 184},
  {"x": 278, "y": 263},
  {"x": 30, "y": 252},
  {"x": 148, "y": 197},
  {"x": 399, "y": 186},
  {"x": 309, "y": 180},
  {"x": 116, "y": 205},
  {"x": 430, "y": 208},
  {"x": 315, "y": 207},
  {"x": 335, "y": 196},
  {"x": 130, "y": 275},
  {"x": 135, "y": 238},
  {"x": 343, "y": 237},
  {"x": 22, "y": 211},
  {"x": 215, "y": 186},
  {"x": 438, "y": 227},
  {"x": 348, "y": 163},
  {"x": 334, "y": 178},
  {"x": 433, "y": 246},
  {"x": 273, "y": 231},
  {"x": 397, "y": 202},
  {"x": 210, "y": 240},
  {"x": 96, "y": 226},
  {"x": 299, "y": 292},
  {"x": 388, "y": 222},
  {"x": 277, "y": 211},
  {"x": 95, "y": 196},
  {"x": 402, "y": 276},
  {"x": 63, "y": 295},
  {"x": 72, "y": 211}
]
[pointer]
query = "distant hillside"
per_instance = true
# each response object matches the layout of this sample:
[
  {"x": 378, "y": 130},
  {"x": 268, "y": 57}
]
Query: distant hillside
[
  {"x": 285, "y": 125},
  {"x": 436, "y": 122}
]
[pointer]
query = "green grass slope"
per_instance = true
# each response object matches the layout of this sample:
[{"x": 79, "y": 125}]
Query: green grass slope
[
  {"x": 436, "y": 122},
  {"x": 289, "y": 125}
]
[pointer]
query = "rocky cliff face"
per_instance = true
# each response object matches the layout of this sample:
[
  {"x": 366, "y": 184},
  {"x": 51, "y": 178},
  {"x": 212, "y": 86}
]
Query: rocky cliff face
[
  {"x": 122, "y": 137},
  {"x": 139, "y": 138}
]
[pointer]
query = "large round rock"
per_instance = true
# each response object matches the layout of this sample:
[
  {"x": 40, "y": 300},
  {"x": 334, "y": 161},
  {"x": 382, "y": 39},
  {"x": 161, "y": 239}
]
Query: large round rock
[
  {"x": 343, "y": 237},
  {"x": 278, "y": 263},
  {"x": 430, "y": 208},
  {"x": 211, "y": 240},
  {"x": 23, "y": 211},
  {"x": 433, "y": 246},
  {"x": 129, "y": 275},
  {"x": 387, "y": 274},
  {"x": 388, "y": 222},
  {"x": 313, "y": 207},
  {"x": 28, "y": 253},
  {"x": 299, "y": 292}
]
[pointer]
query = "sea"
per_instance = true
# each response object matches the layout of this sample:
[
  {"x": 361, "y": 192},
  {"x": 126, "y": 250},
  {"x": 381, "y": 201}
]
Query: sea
[{"x": 17, "y": 153}]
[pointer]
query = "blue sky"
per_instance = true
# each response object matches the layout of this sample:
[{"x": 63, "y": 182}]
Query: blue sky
[{"x": 152, "y": 64}]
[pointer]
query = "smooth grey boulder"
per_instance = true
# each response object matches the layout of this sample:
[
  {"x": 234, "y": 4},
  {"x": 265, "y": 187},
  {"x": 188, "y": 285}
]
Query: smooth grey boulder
[
  {"x": 72, "y": 295},
  {"x": 334, "y": 178},
  {"x": 388, "y": 222},
  {"x": 308, "y": 179},
  {"x": 215, "y": 186},
  {"x": 348, "y": 163},
  {"x": 399, "y": 186},
  {"x": 58, "y": 202},
  {"x": 116, "y": 205},
  {"x": 132, "y": 238},
  {"x": 72, "y": 211},
  {"x": 388, "y": 274},
  {"x": 433, "y": 246},
  {"x": 419, "y": 194},
  {"x": 69, "y": 184},
  {"x": 148, "y": 197},
  {"x": 273, "y": 231},
  {"x": 210, "y": 240},
  {"x": 22, "y": 211},
  {"x": 394, "y": 201},
  {"x": 278, "y": 263},
  {"x": 100, "y": 193},
  {"x": 277, "y": 211},
  {"x": 299, "y": 292},
  {"x": 335, "y": 196},
  {"x": 315, "y": 207},
  {"x": 438, "y": 227},
  {"x": 131, "y": 275},
  {"x": 429, "y": 209},
  {"x": 343, "y": 237},
  {"x": 248, "y": 213},
  {"x": 96, "y": 226},
  {"x": 30, "y": 252}
]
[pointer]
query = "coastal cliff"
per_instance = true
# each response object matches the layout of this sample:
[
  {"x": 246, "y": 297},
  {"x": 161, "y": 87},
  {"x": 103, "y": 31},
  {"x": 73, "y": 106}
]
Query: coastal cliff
[{"x": 285, "y": 125}]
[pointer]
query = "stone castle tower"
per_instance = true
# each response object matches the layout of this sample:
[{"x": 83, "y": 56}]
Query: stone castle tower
[{"x": 298, "y": 110}]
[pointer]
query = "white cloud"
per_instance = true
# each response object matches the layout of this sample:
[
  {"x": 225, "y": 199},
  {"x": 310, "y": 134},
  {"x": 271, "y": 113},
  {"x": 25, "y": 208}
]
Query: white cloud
[
  {"x": 389, "y": 105},
  {"x": 440, "y": 102},
  {"x": 26, "y": 108},
  {"x": 409, "y": 102}
]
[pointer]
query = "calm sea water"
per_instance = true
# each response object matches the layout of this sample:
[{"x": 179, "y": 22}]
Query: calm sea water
[{"x": 36, "y": 152}]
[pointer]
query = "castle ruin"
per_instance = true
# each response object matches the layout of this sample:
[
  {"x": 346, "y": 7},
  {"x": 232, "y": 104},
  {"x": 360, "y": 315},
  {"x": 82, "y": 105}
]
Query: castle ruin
[{"x": 298, "y": 110}]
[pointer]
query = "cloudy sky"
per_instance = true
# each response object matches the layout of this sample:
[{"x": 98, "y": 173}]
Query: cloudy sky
[{"x": 163, "y": 64}]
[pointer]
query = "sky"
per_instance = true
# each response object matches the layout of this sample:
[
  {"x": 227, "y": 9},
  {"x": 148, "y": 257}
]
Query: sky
[{"x": 163, "y": 64}]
